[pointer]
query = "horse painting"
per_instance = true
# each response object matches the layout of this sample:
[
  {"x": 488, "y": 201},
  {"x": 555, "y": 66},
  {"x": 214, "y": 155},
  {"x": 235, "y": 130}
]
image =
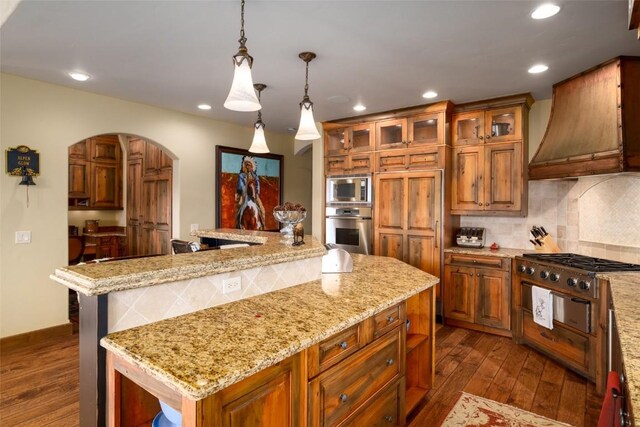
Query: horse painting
[{"x": 249, "y": 217}]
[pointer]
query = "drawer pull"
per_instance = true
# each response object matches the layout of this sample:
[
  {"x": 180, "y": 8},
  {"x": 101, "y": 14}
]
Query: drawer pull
[
  {"x": 544, "y": 335},
  {"x": 390, "y": 362},
  {"x": 388, "y": 419},
  {"x": 390, "y": 319},
  {"x": 343, "y": 345},
  {"x": 343, "y": 397}
]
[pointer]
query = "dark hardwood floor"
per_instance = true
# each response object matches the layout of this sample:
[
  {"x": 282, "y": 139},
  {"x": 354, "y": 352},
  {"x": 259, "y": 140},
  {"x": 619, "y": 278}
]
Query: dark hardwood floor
[
  {"x": 39, "y": 383},
  {"x": 495, "y": 368}
]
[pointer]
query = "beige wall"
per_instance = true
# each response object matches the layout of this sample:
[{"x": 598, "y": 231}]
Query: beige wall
[{"x": 49, "y": 118}]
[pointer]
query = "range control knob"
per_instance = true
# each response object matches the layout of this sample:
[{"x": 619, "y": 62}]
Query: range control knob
[
  {"x": 584, "y": 285},
  {"x": 555, "y": 277},
  {"x": 544, "y": 274},
  {"x": 572, "y": 281},
  {"x": 530, "y": 270},
  {"x": 522, "y": 268}
]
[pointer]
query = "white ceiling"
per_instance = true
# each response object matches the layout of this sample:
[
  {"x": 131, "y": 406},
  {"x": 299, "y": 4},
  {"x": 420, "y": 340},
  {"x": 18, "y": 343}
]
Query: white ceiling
[{"x": 385, "y": 54}]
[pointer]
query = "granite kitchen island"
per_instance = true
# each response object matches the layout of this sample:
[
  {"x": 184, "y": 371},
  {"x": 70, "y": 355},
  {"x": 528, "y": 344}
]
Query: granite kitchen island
[
  {"x": 119, "y": 295},
  {"x": 330, "y": 350}
]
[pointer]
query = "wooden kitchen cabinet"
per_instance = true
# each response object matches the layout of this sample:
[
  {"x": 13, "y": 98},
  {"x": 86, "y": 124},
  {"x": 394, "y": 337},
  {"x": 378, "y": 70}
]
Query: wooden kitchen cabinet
[
  {"x": 477, "y": 293},
  {"x": 408, "y": 218},
  {"x": 418, "y": 130},
  {"x": 356, "y": 163},
  {"x": 108, "y": 245},
  {"x": 489, "y": 149},
  {"x": 488, "y": 180},
  {"x": 375, "y": 373},
  {"x": 344, "y": 140},
  {"x": 95, "y": 174}
]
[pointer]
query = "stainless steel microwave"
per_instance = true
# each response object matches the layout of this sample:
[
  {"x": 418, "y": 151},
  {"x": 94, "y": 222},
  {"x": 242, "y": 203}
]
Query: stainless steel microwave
[{"x": 351, "y": 190}]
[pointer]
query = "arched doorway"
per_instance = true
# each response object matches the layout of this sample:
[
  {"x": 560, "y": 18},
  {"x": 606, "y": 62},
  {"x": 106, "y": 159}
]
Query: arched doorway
[{"x": 120, "y": 185}]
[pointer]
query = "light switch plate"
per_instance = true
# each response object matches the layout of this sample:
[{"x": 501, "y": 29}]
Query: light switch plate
[{"x": 23, "y": 237}]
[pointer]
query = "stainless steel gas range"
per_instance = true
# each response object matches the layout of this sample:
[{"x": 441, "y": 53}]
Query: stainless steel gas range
[{"x": 578, "y": 337}]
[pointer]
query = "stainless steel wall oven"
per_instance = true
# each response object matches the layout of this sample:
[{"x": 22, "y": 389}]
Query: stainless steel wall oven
[{"x": 349, "y": 228}]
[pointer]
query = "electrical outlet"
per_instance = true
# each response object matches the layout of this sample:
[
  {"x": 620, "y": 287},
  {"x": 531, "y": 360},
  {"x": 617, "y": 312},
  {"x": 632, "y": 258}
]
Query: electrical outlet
[
  {"x": 195, "y": 227},
  {"x": 232, "y": 284},
  {"x": 23, "y": 237}
]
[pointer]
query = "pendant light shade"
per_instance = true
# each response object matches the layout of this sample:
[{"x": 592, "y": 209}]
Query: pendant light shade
[
  {"x": 259, "y": 144},
  {"x": 307, "y": 129},
  {"x": 242, "y": 96}
]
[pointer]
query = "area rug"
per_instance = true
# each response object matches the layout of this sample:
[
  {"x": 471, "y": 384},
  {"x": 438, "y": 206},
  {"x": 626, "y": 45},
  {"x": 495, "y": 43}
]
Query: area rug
[{"x": 474, "y": 411}]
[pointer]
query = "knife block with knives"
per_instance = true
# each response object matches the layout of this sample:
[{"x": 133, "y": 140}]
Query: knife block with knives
[{"x": 542, "y": 241}]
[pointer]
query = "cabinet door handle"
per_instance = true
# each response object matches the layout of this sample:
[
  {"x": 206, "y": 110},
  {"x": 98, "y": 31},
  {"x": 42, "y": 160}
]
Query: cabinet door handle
[
  {"x": 487, "y": 136},
  {"x": 479, "y": 204},
  {"x": 343, "y": 345},
  {"x": 436, "y": 236},
  {"x": 390, "y": 362},
  {"x": 480, "y": 137},
  {"x": 343, "y": 397},
  {"x": 388, "y": 419},
  {"x": 478, "y": 274},
  {"x": 390, "y": 319}
]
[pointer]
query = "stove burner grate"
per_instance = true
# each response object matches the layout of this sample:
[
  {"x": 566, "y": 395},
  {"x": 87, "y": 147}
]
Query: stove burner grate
[{"x": 591, "y": 264}]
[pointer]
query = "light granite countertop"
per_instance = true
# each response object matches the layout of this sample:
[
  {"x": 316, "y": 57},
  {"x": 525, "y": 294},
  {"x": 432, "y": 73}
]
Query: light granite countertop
[
  {"x": 102, "y": 278},
  {"x": 486, "y": 251},
  {"x": 625, "y": 289},
  {"x": 200, "y": 353}
]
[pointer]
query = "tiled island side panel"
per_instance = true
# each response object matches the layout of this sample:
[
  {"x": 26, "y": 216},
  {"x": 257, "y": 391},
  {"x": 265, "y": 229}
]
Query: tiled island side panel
[{"x": 140, "y": 306}]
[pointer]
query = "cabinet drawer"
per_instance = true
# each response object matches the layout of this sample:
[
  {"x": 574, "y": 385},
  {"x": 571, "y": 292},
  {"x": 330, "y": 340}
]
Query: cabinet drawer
[
  {"x": 335, "y": 348},
  {"x": 565, "y": 344},
  {"x": 478, "y": 261},
  {"x": 341, "y": 390},
  {"x": 382, "y": 410},
  {"x": 386, "y": 320}
]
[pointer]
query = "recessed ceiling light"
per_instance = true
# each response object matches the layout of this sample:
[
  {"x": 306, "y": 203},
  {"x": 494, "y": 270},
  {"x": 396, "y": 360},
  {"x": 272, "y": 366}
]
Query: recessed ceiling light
[
  {"x": 204, "y": 107},
  {"x": 359, "y": 107},
  {"x": 81, "y": 77},
  {"x": 538, "y": 68},
  {"x": 429, "y": 94},
  {"x": 544, "y": 11}
]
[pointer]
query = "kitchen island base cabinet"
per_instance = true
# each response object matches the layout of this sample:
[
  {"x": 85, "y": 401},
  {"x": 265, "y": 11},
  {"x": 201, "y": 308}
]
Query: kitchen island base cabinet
[
  {"x": 275, "y": 396},
  {"x": 375, "y": 373}
]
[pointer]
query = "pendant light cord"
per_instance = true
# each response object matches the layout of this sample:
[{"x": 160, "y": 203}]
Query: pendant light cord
[{"x": 243, "y": 39}]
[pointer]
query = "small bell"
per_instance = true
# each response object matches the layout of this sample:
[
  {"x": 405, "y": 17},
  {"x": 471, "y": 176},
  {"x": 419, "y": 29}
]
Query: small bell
[{"x": 26, "y": 178}]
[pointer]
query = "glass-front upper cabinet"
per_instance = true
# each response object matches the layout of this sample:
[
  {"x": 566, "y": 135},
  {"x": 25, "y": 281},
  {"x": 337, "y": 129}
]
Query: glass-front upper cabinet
[
  {"x": 361, "y": 137},
  {"x": 341, "y": 141},
  {"x": 336, "y": 142},
  {"x": 468, "y": 128},
  {"x": 426, "y": 129},
  {"x": 391, "y": 134},
  {"x": 503, "y": 124}
]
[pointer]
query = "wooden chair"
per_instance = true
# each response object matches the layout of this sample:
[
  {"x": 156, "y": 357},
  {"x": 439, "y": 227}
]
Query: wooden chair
[{"x": 76, "y": 249}]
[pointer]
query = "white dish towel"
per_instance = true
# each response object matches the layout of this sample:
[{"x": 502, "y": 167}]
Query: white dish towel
[{"x": 542, "y": 302}]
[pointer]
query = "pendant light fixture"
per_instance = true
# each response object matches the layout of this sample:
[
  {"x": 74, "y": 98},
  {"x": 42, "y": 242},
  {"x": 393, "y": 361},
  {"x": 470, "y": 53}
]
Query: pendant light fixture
[
  {"x": 307, "y": 129},
  {"x": 242, "y": 97},
  {"x": 259, "y": 144}
]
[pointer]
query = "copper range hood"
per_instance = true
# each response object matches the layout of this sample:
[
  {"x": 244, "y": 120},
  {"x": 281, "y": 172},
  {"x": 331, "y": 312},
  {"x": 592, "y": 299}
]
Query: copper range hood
[{"x": 594, "y": 126}]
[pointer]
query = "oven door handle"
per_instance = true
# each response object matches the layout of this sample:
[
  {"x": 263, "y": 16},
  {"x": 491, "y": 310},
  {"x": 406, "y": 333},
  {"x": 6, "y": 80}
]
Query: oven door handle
[
  {"x": 354, "y": 217},
  {"x": 579, "y": 300}
]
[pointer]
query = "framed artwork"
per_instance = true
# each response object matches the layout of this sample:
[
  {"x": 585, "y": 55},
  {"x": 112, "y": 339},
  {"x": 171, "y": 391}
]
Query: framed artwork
[{"x": 248, "y": 187}]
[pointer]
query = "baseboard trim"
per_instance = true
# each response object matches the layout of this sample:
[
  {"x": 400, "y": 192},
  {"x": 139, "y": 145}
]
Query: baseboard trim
[{"x": 33, "y": 337}]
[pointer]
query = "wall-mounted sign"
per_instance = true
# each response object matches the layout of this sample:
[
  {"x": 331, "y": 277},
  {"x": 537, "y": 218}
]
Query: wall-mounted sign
[{"x": 23, "y": 158}]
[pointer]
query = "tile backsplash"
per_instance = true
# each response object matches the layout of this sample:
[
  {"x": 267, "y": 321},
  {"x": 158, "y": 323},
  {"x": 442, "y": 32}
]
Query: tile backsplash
[
  {"x": 140, "y": 306},
  {"x": 597, "y": 216}
]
